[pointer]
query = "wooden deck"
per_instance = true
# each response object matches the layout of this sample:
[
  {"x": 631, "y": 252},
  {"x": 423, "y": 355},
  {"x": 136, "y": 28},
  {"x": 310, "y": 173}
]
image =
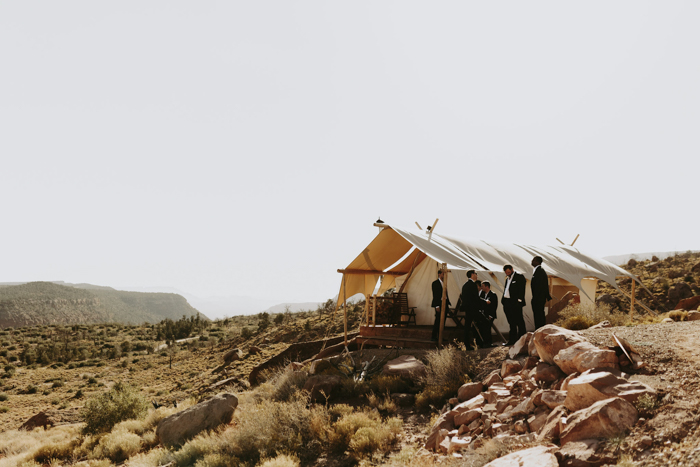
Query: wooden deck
[{"x": 417, "y": 337}]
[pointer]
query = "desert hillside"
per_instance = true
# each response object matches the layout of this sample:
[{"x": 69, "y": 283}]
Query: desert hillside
[{"x": 47, "y": 303}]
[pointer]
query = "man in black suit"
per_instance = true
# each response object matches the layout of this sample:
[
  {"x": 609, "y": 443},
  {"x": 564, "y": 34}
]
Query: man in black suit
[
  {"x": 513, "y": 301},
  {"x": 539, "y": 285},
  {"x": 489, "y": 304},
  {"x": 437, "y": 303},
  {"x": 471, "y": 304}
]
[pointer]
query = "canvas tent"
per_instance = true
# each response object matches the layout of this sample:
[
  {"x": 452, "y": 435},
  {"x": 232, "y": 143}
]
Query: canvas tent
[{"x": 409, "y": 260}]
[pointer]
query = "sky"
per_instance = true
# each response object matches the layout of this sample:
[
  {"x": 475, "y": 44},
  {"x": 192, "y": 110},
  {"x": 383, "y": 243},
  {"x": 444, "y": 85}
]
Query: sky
[{"x": 245, "y": 148}]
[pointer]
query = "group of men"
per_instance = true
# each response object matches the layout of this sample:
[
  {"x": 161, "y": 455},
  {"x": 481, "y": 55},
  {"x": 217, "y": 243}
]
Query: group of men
[{"x": 479, "y": 304}]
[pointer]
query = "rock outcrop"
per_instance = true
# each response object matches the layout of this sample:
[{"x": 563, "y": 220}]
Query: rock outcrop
[{"x": 182, "y": 426}]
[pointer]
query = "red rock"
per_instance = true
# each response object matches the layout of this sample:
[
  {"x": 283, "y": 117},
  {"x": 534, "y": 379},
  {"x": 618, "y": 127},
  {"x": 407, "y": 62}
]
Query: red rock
[
  {"x": 492, "y": 378},
  {"x": 604, "y": 419},
  {"x": 469, "y": 390},
  {"x": 553, "y": 399},
  {"x": 585, "y": 356},
  {"x": 691, "y": 303},
  {"x": 547, "y": 373},
  {"x": 465, "y": 418},
  {"x": 550, "y": 340},
  {"x": 521, "y": 346},
  {"x": 540, "y": 456},
  {"x": 405, "y": 366},
  {"x": 551, "y": 428},
  {"x": 446, "y": 423},
  {"x": 510, "y": 367}
]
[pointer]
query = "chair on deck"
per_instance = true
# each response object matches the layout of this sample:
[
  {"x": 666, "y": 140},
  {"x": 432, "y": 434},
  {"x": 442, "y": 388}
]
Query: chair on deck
[{"x": 401, "y": 302}]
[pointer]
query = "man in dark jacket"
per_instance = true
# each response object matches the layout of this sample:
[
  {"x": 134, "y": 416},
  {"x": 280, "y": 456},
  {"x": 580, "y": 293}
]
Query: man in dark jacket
[
  {"x": 513, "y": 301},
  {"x": 539, "y": 285},
  {"x": 471, "y": 304},
  {"x": 437, "y": 303},
  {"x": 489, "y": 304}
]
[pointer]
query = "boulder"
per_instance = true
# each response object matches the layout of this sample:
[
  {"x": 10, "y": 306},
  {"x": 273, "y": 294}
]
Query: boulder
[
  {"x": 176, "y": 429},
  {"x": 582, "y": 454},
  {"x": 679, "y": 291},
  {"x": 552, "y": 426},
  {"x": 536, "y": 421},
  {"x": 458, "y": 444},
  {"x": 317, "y": 367},
  {"x": 465, "y": 418},
  {"x": 565, "y": 384},
  {"x": 585, "y": 356},
  {"x": 520, "y": 346},
  {"x": 532, "y": 349},
  {"x": 254, "y": 350},
  {"x": 469, "y": 390},
  {"x": 540, "y": 456},
  {"x": 42, "y": 419},
  {"x": 405, "y": 366},
  {"x": 492, "y": 378},
  {"x": 604, "y": 419},
  {"x": 446, "y": 423},
  {"x": 553, "y": 399},
  {"x": 550, "y": 340},
  {"x": 633, "y": 353},
  {"x": 693, "y": 315},
  {"x": 691, "y": 303},
  {"x": 547, "y": 373},
  {"x": 590, "y": 387},
  {"x": 510, "y": 367},
  {"x": 321, "y": 387},
  {"x": 473, "y": 403},
  {"x": 233, "y": 355}
]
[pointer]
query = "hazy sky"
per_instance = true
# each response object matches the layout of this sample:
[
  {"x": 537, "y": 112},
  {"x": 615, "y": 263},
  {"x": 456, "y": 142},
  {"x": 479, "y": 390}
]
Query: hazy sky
[{"x": 245, "y": 148}]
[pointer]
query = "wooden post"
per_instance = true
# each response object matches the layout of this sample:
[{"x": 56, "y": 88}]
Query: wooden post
[
  {"x": 345, "y": 312},
  {"x": 374, "y": 311},
  {"x": 632, "y": 302},
  {"x": 443, "y": 304}
]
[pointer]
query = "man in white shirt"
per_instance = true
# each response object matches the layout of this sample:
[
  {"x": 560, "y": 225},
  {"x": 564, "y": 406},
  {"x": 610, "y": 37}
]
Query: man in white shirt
[{"x": 513, "y": 301}]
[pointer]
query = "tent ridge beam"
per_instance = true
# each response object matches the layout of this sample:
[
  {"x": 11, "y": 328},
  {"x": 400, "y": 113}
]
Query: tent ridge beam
[{"x": 369, "y": 272}]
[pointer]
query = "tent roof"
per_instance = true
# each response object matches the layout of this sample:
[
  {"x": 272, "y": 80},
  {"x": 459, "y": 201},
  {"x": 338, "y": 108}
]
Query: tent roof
[{"x": 392, "y": 245}]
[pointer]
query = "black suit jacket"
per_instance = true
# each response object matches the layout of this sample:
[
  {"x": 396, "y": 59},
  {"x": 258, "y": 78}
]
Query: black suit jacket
[
  {"x": 540, "y": 286},
  {"x": 516, "y": 290},
  {"x": 437, "y": 294},
  {"x": 470, "y": 297},
  {"x": 490, "y": 308}
]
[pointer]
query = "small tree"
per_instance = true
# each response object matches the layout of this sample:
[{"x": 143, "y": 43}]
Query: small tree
[
  {"x": 279, "y": 319},
  {"x": 120, "y": 403},
  {"x": 263, "y": 321}
]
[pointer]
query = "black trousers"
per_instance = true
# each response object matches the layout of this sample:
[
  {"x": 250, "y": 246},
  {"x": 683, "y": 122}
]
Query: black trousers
[
  {"x": 484, "y": 324},
  {"x": 514, "y": 313},
  {"x": 436, "y": 324},
  {"x": 538, "y": 312},
  {"x": 468, "y": 336}
]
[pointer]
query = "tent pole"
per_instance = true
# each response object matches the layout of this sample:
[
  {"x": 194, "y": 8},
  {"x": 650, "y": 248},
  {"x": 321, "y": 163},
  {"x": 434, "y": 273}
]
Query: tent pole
[
  {"x": 443, "y": 304},
  {"x": 345, "y": 312},
  {"x": 632, "y": 303}
]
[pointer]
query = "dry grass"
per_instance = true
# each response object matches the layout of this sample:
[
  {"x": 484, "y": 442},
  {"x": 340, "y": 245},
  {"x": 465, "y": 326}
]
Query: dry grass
[
  {"x": 283, "y": 460},
  {"x": 583, "y": 316},
  {"x": 18, "y": 445},
  {"x": 384, "y": 404},
  {"x": 117, "y": 446},
  {"x": 446, "y": 371}
]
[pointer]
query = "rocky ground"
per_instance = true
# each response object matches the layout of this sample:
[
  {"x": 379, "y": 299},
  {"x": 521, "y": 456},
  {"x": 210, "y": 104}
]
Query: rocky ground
[
  {"x": 672, "y": 435},
  {"x": 523, "y": 401}
]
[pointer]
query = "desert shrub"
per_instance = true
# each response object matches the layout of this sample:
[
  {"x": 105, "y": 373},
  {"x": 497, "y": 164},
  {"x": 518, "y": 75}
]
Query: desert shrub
[
  {"x": 678, "y": 315},
  {"x": 120, "y": 403},
  {"x": 117, "y": 446},
  {"x": 368, "y": 440},
  {"x": 351, "y": 388},
  {"x": 247, "y": 332},
  {"x": 287, "y": 382},
  {"x": 646, "y": 404},
  {"x": 4, "y": 409},
  {"x": 446, "y": 371},
  {"x": 384, "y": 383},
  {"x": 362, "y": 433},
  {"x": 3, "y": 397},
  {"x": 283, "y": 460},
  {"x": 384, "y": 404},
  {"x": 48, "y": 452},
  {"x": 31, "y": 389},
  {"x": 582, "y": 316}
]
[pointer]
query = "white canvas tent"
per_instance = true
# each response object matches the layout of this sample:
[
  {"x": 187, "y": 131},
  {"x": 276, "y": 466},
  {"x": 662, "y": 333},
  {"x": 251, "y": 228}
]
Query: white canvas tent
[{"x": 410, "y": 258}]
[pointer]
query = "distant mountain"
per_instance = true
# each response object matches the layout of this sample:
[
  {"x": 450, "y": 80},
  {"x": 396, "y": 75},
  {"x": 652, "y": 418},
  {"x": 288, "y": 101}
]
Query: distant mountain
[
  {"x": 623, "y": 259},
  {"x": 41, "y": 303}
]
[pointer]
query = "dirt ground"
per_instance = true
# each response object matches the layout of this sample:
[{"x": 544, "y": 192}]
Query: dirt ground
[{"x": 671, "y": 436}]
